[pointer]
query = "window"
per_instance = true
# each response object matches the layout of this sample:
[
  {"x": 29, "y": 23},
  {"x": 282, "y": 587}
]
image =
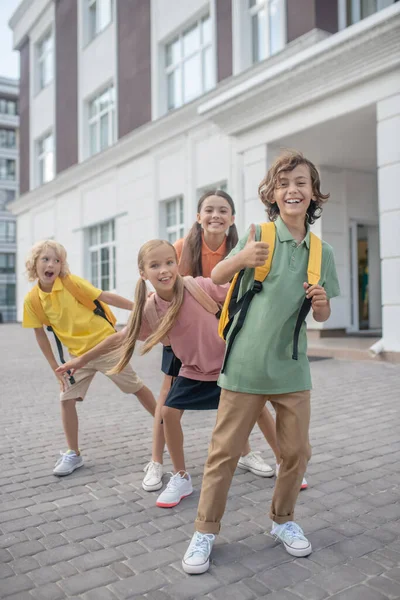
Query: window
[
  {"x": 7, "y": 138},
  {"x": 356, "y": 10},
  {"x": 45, "y": 159},
  {"x": 102, "y": 121},
  {"x": 45, "y": 61},
  {"x": 7, "y": 232},
  {"x": 99, "y": 15},
  {"x": 7, "y": 262},
  {"x": 7, "y": 168},
  {"x": 7, "y": 294},
  {"x": 6, "y": 196},
  {"x": 267, "y": 28},
  {"x": 8, "y": 107},
  {"x": 174, "y": 222},
  {"x": 102, "y": 256},
  {"x": 189, "y": 66}
]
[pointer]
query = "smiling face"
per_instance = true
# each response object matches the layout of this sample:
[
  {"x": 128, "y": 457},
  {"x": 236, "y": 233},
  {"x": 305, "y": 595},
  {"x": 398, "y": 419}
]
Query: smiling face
[
  {"x": 161, "y": 270},
  {"x": 215, "y": 215},
  {"x": 48, "y": 267},
  {"x": 293, "y": 192}
]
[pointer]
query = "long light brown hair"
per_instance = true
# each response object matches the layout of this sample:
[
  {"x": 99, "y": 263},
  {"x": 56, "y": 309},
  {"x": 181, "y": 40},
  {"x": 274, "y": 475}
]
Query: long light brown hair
[
  {"x": 190, "y": 263},
  {"x": 136, "y": 318},
  {"x": 287, "y": 161}
]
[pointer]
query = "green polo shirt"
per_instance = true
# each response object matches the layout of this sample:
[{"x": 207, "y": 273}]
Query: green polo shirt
[{"x": 261, "y": 361}]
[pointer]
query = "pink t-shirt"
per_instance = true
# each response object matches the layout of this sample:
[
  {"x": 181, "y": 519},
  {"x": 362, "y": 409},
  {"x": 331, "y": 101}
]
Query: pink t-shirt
[{"x": 194, "y": 337}]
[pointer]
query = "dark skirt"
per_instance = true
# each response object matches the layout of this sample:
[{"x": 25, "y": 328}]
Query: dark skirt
[
  {"x": 190, "y": 394},
  {"x": 170, "y": 364}
]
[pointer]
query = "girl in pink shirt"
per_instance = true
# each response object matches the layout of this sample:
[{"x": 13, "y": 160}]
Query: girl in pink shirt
[{"x": 193, "y": 335}]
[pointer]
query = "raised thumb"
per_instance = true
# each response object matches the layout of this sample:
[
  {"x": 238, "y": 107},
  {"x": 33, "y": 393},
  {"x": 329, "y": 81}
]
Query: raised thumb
[{"x": 252, "y": 233}]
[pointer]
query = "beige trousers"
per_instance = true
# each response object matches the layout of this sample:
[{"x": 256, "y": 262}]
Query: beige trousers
[{"x": 236, "y": 416}]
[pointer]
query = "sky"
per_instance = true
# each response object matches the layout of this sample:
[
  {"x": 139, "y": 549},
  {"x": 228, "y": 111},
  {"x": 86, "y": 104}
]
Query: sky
[{"x": 9, "y": 60}]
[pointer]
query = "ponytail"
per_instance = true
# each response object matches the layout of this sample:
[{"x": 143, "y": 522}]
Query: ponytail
[
  {"x": 190, "y": 262},
  {"x": 134, "y": 326},
  {"x": 232, "y": 238},
  {"x": 168, "y": 320}
]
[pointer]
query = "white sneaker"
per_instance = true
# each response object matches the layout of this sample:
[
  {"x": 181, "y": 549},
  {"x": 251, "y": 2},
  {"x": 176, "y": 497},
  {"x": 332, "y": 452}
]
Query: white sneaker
[
  {"x": 254, "y": 462},
  {"x": 178, "y": 487},
  {"x": 304, "y": 484},
  {"x": 293, "y": 538},
  {"x": 67, "y": 463},
  {"x": 153, "y": 479},
  {"x": 197, "y": 557}
]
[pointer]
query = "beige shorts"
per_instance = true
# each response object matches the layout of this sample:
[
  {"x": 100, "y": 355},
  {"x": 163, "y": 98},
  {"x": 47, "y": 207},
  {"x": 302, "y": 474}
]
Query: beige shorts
[{"x": 127, "y": 381}]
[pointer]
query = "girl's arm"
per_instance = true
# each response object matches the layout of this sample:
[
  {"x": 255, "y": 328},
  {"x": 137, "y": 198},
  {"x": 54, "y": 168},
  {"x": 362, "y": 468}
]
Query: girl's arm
[
  {"x": 115, "y": 300},
  {"x": 44, "y": 345},
  {"x": 112, "y": 342}
]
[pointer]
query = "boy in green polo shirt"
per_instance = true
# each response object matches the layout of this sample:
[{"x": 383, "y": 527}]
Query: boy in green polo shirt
[{"x": 260, "y": 365}]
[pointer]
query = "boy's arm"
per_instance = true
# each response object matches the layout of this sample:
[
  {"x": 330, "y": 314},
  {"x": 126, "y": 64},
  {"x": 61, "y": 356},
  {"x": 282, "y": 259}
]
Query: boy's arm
[
  {"x": 254, "y": 254},
  {"x": 115, "y": 300},
  {"x": 44, "y": 345},
  {"x": 320, "y": 304},
  {"x": 112, "y": 342}
]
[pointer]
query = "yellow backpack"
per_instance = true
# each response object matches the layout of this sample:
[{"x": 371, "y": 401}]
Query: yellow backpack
[
  {"x": 233, "y": 306},
  {"x": 99, "y": 308}
]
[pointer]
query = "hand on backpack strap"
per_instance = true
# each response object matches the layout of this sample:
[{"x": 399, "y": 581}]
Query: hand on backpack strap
[
  {"x": 318, "y": 296},
  {"x": 254, "y": 254}
]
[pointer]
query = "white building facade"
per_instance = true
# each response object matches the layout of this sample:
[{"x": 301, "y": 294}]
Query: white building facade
[{"x": 119, "y": 150}]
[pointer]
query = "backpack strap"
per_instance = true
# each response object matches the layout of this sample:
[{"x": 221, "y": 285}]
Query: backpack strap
[
  {"x": 201, "y": 296},
  {"x": 99, "y": 308},
  {"x": 37, "y": 306},
  {"x": 268, "y": 235},
  {"x": 313, "y": 277}
]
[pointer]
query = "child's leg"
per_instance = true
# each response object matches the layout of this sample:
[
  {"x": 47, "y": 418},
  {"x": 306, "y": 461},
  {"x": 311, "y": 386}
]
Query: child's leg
[
  {"x": 146, "y": 399},
  {"x": 236, "y": 417},
  {"x": 292, "y": 424},
  {"x": 158, "y": 428},
  {"x": 174, "y": 437},
  {"x": 266, "y": 423},
  {"x": 69, "y": 417}
]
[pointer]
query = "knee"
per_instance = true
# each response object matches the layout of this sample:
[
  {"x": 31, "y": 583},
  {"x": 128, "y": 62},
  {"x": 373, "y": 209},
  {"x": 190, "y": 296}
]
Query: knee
[
  {"x": 168, "y": 414},
  {"x": 297, "y": 454}
]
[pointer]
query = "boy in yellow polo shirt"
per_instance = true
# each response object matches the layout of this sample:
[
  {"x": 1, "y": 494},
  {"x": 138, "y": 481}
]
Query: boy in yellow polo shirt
[{"x": 79, "y": 329}]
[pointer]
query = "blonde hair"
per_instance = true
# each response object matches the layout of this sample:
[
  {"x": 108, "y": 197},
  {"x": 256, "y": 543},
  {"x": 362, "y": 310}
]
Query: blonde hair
[
  {"x": 136, "y": 318},
  {"x": 37, "y": 250},
  {"x": 287, "y": 161}
]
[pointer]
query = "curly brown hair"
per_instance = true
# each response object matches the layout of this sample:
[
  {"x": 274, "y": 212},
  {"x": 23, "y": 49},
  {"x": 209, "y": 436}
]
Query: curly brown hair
[{"x": 287, "y": 161}]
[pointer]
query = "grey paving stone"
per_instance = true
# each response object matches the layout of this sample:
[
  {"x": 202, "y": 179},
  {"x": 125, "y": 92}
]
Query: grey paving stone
[
  {"x": 99, "y": 594},
  {"x": 83, "y": 582},
  {"x": 138, "y": 584},
  {"x": 359, "y": 592},
  {"x": 27, "y": 564},
  {"x": 192, "y": 587},
  {"x": 236, "y": 591},
  {"x": 284, "y": 576},
  {"x": 86, "y": 531},
  {"x": 385, "y": 585},
  {"x": 26, "y": 548},
  {"x": 62, "y": 553},
  {"x": 51, "y": 591},
  {"x": 15, "y": 585},
  {"x": 151, "y": 560},
  {"x": 309, "y": 590},
  {"x": 117, "y": 538},
  {"x": 44, "y": 575}
]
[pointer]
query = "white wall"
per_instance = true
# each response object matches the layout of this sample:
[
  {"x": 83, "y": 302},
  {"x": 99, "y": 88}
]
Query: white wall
[{"x": 42, "y": 103}]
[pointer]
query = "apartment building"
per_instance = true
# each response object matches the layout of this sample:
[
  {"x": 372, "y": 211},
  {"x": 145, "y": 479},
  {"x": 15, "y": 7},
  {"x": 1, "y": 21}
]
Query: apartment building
[
  {"x": 9, "y": 123},
  {"x": 129, "y": 110}
]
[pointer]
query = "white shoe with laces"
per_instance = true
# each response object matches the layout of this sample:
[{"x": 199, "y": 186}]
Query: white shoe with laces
[
  {"x": 197, "y": 557},
  {"x": 67, "y": 463},
  {"x": 152, "y": 481},
  {"x": 254, "y": 462},
  {"x": 177, "y": 488},
  {"x": 292, "y": 537},
  {"x": 304, "y": 484}
]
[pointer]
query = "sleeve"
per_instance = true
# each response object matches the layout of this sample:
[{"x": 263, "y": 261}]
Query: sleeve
[
  {"x": 216, "y": 292},
  {"x": 330, "y": 280},
  {"x": 92, "y": 292},
  {"x": 30, "y": 320},
  {"x": 178, "y": 245}
]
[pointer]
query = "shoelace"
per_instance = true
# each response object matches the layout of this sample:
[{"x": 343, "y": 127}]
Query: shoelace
[
  {"x": 201, "y": 544},
  {"x": 257, "y": 457},
  {"x": 66, "y": 457},
  {"x": 173, "y": 483},
  {"x": 152, "y": 468},
  {"x": 294, "y": 531}
]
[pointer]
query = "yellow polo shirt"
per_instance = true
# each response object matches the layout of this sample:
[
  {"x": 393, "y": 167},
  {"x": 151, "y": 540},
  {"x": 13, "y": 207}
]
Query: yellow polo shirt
[{"x": 76, "y": 326}]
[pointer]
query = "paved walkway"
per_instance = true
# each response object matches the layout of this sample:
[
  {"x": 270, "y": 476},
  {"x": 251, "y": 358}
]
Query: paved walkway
[{"x": 96, "y": 535}]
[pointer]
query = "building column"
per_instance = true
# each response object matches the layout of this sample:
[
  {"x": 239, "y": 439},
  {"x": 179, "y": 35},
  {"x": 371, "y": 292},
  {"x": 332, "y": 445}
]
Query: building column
[{"x": 388, "y": 146}]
